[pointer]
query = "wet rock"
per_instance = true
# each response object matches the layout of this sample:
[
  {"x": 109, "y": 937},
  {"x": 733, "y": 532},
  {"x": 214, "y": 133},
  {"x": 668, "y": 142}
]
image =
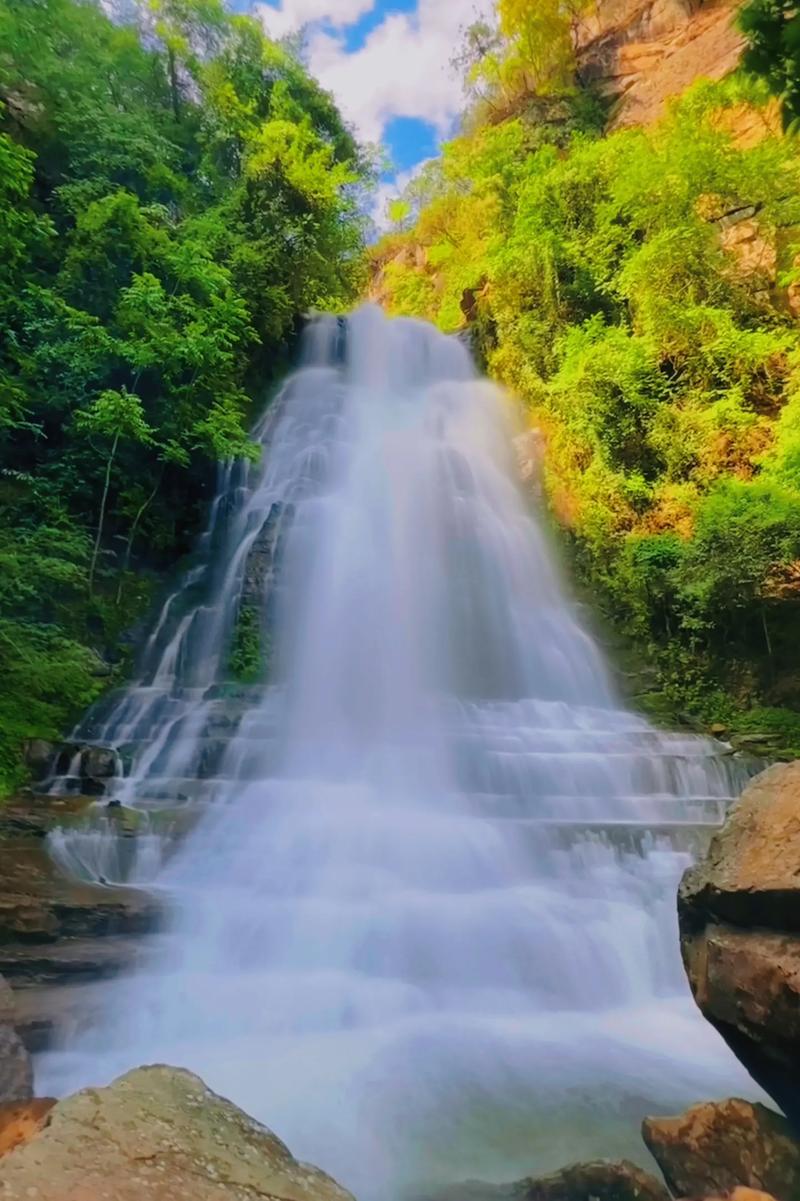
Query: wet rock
[
  {"x": 739, "y": 912},
  {"x": 16, "y": 1073},
  {"x": 718, "y": 1146},
  {"x": 600, "y": 1180},
  {"x": 40, "y": 755},
  {"x": 98, "y": 763},
  {"x": 157, "y": 1134},
  {"x": 20, "y": 1121}
]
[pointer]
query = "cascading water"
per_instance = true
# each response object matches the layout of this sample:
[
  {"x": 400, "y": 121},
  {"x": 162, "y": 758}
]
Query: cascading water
[{"x": 424, "y": 926}]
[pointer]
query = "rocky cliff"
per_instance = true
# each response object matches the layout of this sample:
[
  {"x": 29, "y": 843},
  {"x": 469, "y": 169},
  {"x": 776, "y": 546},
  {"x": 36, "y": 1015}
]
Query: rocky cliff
[
  {"x": 739, "y": 912},
  {"x": 641, "y": 53}
]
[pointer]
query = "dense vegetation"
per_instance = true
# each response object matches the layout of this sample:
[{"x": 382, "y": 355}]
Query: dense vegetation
[
  {"x": 638, "y": 290},
  {"x": 174, "y": 191}
]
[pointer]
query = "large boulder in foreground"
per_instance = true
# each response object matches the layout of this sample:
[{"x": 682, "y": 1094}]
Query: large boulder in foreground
[
  {"x": 739, "y": 911},
  {"x": 722, "y": 1145},
  {"x": 157, "y": 1134}
]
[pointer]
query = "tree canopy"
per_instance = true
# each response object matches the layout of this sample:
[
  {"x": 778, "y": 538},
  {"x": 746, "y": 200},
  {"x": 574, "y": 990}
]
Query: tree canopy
[{"x": 175, "y": 191}]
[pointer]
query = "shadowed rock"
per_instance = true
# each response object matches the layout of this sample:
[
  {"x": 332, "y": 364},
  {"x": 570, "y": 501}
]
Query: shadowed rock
[{"x": 739, "y": 912}]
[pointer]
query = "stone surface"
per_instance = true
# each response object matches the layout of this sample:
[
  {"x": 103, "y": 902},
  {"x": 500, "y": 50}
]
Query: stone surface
[
  {"x": 641, "y": 53},
  {"x": 58, "y": 934},
  {"x": 600, "y": 1180},
  {"x": 39, "y": 756},
  {"x": 16, "y": 1073},
  {"x": 20, "y": 1121},
  {"x": 157, "y": 1134},
  {"x": 739, "y": 911},
  {"x": 719, "y": 1146}
]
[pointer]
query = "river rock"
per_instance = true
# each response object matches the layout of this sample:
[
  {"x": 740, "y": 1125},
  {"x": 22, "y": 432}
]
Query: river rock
[
  {"x": 157, "y": 1134},
  {"x": 40, "y": 756},
  {"x": 16, "y": 1074},
  {"x": 739, "y": 911},
  {"x": 98, "y": 763},
  {"x": 721, "y": 1145},
  {"x": 600, "y": 1180}
]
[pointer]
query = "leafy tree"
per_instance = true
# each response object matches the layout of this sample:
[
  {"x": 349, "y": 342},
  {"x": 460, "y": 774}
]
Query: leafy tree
[
  {"x": 175, "y": 191},
  {"x": 600, "y": 280},
  {"x": 772, "y": 29}
]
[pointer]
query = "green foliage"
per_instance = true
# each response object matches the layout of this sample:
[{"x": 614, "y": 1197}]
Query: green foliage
[
  {"x": 608, "y": 285},
  {"x": 772, "y": 30},
  {"x": 248, "y": 657},
  {"x": 169, "y": 204}
]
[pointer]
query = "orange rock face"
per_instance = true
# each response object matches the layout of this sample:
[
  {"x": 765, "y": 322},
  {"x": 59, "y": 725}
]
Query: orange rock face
[
  {"x": 644, "y": 52},
  {"x": 724, "y": 1146},
  {"x": 21, "y": 1121}
]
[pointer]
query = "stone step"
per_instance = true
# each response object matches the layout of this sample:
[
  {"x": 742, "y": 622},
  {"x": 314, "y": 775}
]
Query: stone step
[{"x": 25, "y": 965}]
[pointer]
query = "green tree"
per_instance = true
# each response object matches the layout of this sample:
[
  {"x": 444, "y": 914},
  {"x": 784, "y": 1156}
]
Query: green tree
[{"x": 772, "y": 30}]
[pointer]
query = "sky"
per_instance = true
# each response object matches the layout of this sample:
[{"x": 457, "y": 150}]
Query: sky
[{"x": 387, "y": 63}]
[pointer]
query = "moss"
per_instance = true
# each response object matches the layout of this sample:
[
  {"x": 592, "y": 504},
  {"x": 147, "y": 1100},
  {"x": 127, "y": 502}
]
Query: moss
[{"x": 248, "y": 660}]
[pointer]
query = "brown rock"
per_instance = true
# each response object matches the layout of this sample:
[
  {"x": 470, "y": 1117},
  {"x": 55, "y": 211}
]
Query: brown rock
[
  {"x": 21, "y": 1120},
  {"x": 641, "y": 53},
  {"x": 157, "y": 1134},
  {"x": 16, "y": 1074},
  {"x": 719, "y": 1146},
  {"x": 739, "y": 912},
  {"x": 601, "y": 1180}
]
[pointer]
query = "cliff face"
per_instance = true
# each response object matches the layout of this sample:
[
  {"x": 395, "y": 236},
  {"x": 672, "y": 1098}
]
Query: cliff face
[{"x": 643, "y": 52}]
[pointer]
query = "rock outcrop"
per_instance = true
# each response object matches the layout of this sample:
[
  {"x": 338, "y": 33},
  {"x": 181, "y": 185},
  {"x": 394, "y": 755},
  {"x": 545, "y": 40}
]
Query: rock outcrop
[
  {"x": 722, "y": 1145},
  {"x": 642, "y": 53},
  {"x": 599, "y": 1180},
  {"x": 16, "y": 1074},
  {"x": 739, "y": 911},
  {"x": 54, "y": 931},
  {"x": 157, "y": 1134}
]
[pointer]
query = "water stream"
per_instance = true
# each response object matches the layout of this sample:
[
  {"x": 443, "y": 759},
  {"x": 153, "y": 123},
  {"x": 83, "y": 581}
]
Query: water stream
[{"x": 421, "y": 877}]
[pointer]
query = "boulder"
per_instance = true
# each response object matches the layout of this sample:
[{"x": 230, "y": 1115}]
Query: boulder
[
  {"x": 40, "y": 756},
  {"x": 99, "y": 763},
  {"x": 16, "y": 1074},
  {"x": 739, "y": 911},
  {"x": 157, "y": 1134},
  {"x": 721, "y": 1145},
  {"x": 601, "y": 1180}
]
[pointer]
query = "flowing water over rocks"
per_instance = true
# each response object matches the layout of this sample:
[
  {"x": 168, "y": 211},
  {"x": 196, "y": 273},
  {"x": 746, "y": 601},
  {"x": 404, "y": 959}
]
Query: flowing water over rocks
[{"x": 422, "y": 874}]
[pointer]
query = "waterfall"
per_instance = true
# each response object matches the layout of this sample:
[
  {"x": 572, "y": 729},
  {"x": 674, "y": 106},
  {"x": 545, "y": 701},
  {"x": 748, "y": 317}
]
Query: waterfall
[{"x": 422, "y": 919}]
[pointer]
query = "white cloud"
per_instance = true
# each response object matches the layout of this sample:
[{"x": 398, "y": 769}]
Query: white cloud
[
  {"x": 403, "y": 68},
  {"x": 293, "y": 15}
]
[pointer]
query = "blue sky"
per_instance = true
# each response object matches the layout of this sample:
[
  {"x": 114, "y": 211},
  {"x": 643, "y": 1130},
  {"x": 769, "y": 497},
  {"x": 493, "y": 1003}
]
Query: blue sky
[{"x": 387, "y": 62}]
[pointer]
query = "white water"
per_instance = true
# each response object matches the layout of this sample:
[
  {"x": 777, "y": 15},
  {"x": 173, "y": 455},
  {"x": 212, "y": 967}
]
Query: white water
[{"x": 424, "y": 927}]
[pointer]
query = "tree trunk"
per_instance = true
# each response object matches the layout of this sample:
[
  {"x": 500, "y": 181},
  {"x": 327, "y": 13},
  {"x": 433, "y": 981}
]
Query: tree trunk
[
  {"x": 173, "y": 84},
  {"x": 132, "y": 533},
  {"x": 101, "y": 519}
]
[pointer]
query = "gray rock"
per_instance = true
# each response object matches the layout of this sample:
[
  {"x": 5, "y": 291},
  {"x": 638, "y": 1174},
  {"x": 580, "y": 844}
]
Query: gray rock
[
  {"x": 16, "y": 1073},
  {"x": 158, "y": 1134}
]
